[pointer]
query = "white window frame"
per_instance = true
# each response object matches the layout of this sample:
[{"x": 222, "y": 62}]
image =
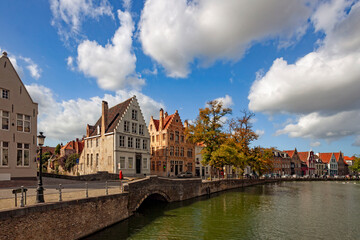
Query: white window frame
[
  {"x": 5, "y": 94},
  {"x": 137, "y": 143},
  {"x": 130, "y": 162},
  {"x": 23, "y": 150},
  {"x": 145, "y": 144},
  {"x": 3, "y": 149},
  {"x": 134, "y": 115},
  {"x": 122, "y": 163},
  {"x": 126, "y": 126},
  {"x": 130, "y": 142},
  {"x": 141, "y": 129},
  {"x": 121, "y": 141},
  {"x": 3, "y": 117},
  {"x": 21, "y": 118},
  {"x": 134, "y": 128}
]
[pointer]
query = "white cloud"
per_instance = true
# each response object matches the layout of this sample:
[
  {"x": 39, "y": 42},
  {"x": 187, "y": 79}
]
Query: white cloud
[
  {"x": 113, "y": 65},
  {"x": 70, "y": 63},
  {"x": 260, "y": 132},
  {"x": 66, "y": 120},
  {"x": 33, "y": 68},
  {"x": 226, "y": 101},
  {"x": 177, "y": 32},
  {"x": 68, "y": 15},
  {"x": 19, "y": 69},
  {"x": 315, "y": 144},
  {"x": 321, "y": 87}
]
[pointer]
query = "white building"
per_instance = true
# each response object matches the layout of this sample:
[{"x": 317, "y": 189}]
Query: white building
[{"x": 118, "y": 141}]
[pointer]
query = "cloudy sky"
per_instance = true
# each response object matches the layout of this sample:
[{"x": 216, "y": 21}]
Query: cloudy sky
[{"x": 296, "y": 64}]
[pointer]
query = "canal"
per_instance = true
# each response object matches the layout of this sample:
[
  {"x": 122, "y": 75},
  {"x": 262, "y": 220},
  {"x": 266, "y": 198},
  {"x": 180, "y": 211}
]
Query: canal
[{"x": 287, "y": 210}]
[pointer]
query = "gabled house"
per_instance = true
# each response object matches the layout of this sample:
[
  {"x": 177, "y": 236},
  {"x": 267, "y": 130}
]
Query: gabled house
[
  {"x": 171, "y": 153},
  {"x": 295, "y": 162},
  {"x": 330, "y": 160},
  {"x": 342, "y": 165},
  {"x": 72, "y": 147},
  {"x": 307, "y": 163},
  {"x": 18, "y": 125},
  {"x": 320, "y": 166},
  {"x": 281, "y": 163},
  {"x": 119, "y": 141}
]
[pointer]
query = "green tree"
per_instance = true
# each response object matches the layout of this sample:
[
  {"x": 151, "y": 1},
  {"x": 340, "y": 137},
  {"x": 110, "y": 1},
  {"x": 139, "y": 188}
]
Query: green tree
[
  {"x": 71, "y": 161},
  {"x": 356, "y": 165},
  {"x": 57, "y": 149},
  {"x": 208, "y": 130},
  {"x": 260, "y": 159}
]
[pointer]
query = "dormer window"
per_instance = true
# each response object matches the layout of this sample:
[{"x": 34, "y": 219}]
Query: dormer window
[
  {"x": 5, "y": 93},
  {"x": 134, "y": 114}
]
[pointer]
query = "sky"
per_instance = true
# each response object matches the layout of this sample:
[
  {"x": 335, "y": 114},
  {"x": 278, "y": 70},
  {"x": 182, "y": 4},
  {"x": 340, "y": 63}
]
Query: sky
[{"x": 295, "y": 64}]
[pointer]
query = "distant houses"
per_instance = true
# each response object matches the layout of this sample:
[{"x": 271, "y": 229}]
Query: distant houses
[{"x": 18, "y": 128}]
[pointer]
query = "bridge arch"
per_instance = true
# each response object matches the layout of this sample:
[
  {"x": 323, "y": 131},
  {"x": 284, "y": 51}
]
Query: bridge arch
[{"x": 156, "y": 195}]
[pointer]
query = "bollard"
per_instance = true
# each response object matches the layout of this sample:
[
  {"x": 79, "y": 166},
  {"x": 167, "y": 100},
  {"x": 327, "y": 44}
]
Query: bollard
[
  {"x": 106, "y": 188},
  {"x": 86, "y": 190},
  {"x": 60, "y": 197},
  {"x": 121, "y": 186},
  {"x": 22, "y": 197}
]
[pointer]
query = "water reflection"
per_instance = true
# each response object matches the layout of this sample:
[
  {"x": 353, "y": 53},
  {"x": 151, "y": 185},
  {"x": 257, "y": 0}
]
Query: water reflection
[{"x": 289, "y": 210}]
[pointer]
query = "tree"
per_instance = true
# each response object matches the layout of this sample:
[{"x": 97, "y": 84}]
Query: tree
[
  {"x": 207, "y": 130},
  {"x": 71, "y": 161},
  {"x": 260, "y": 159},
  {"x": 57, "y": 149},
  {"x": 356, "y": 165}
]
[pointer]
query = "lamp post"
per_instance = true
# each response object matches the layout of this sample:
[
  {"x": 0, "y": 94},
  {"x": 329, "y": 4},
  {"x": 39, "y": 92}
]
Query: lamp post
[{"x": 40, "y": 189}]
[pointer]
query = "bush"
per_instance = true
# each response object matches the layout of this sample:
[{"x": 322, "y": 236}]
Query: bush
[{"x": 71, "y": 161}]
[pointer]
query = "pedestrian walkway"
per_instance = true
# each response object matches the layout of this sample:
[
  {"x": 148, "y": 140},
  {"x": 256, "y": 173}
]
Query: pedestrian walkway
[{"x": 71, "y": 190}]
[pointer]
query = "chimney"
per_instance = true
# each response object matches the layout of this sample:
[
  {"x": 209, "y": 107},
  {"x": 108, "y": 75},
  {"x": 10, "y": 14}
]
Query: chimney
[
  {"x": 161, "y": 119},
  {"x": 166, "y": 114},
  {"x": 104, "y": 117},
  {"x": 186, "y": 124}
]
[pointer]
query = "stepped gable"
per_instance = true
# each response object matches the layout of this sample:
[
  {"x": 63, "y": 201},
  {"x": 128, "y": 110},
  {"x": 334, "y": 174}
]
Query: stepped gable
[
  {"x": 113, "y": 116},
  {"x": 167, "y": 121}
]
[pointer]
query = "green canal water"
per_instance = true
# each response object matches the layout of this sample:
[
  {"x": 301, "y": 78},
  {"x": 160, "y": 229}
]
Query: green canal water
[{"x": 288, "y": 210}]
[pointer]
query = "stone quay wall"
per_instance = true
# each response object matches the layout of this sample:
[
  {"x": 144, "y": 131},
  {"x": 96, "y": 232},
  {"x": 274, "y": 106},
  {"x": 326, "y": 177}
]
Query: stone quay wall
[{"x": 79, "y": 218}]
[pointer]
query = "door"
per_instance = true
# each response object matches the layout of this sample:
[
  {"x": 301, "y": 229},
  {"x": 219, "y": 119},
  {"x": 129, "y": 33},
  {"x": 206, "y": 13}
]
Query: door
[
  {"x": 176, "y": 170},
  {"x": 138, "y": 163}
]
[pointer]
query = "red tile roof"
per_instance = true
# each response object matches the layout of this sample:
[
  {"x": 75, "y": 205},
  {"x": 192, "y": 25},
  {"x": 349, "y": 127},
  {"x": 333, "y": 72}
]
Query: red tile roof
[
  {"x": 113, "y": 117},
  {"x": 167, "y": 121},
  {"x": 303, "y": 156},
  {"x": 290, "y": 153},
  {"x": 325, "y": 157},
  {"x": 346, "y": 158}
]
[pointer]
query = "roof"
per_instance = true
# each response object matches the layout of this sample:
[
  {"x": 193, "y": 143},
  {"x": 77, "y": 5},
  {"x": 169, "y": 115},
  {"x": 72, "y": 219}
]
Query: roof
[
  {"x": 167, "y": 121},
  {"x": 290, "y": 153},
  {"x": 325, "y": 157},
  {"x": 346, "y": 158},
  {"x": 303, "y": 156},
  {"x": 113, "y": 117}
]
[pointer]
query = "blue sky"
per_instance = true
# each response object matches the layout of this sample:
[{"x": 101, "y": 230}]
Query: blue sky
[{"x": 293, "y": 63}]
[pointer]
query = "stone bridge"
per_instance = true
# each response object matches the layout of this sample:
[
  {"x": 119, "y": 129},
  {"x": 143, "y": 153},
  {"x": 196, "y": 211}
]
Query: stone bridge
[{"x": 172, "y": 190}]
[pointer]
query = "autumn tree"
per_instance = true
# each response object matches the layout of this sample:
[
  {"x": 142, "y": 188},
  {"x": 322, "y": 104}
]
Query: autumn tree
[
  {"x": 208, "y": 130},
  {"x": 356, "y": 165},
  {"x": 260, "y": 159}
]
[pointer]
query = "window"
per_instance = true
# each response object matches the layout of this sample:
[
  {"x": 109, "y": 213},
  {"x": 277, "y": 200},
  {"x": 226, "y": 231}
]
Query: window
[
  {"x": 97, "y": 159},
  {"x": 137, "y": 143},
  {"x": 189, "y": 153},
  {"x": 182, "y": 152},
  {"x": 133, "y": 127},
  {"x": 152, "y": 138},
  {"x": 177, "y": 151},
  {"x": 190, "y": 167},
  {"x": 4, "y": 154},
  {"x": 122, "y": 162},
  {"x": 23, "y": 155},
  {"x": 134, "y": 115},
  {"x": 23, "y": 123},
  {"x": 153, "y": 165},
  {"x": 122, "y": 141},
  {"x": 130, "y": 142},
  {"x": 126, "y": 126},
  {"x": 130, "y": 162},
  {"x": 182, "y": 138},
  {"x": 145, "y": 144},
  {"x": 4, "y": 119},
  {"x": 87, "y": 159},
  {"x": 141, "y": 129},
  {"x": 145, "y": 163},
  {"x": 150, "y": 127},
  {"x": 164, "y": 137},
  {"x": 91, "y": 160},
  {"x": 171, "y": 136},
  {"x": 91, "y": 143},
  {"x": 176, "y": 136},
  {"x": 97, "y": 142},
  {"x": 152, "y": 151},
  {"x": 5, "y": 93},
  {"x": 171, "y": 151},
  {"x": 157, "y": 138}
]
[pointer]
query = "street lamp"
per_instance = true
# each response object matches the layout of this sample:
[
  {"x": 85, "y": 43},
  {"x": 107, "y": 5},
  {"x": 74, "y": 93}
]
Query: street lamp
[{"x": 40, "y": 189}]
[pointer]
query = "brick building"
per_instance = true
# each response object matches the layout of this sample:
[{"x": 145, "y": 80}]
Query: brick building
[
  {"x": 295, "y": 162},
  {"x": 170, "y": 152},
  {"x": 281, "y": 163},
  {"x": 72, "y": 147},
  {"x": 307, "y": 163}
]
